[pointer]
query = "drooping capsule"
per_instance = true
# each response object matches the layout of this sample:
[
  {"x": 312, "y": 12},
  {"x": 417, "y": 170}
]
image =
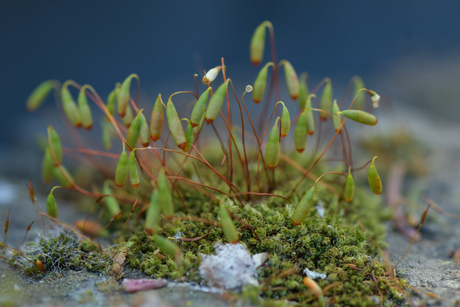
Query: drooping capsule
[
  {"x": 51, "y": 205},
  {"x": 199, "y": 108},
  {"x": 168, "y": 247},
  {"x": 360, "y": 98},
  {"x": 303, "y": 90},
  {"x": 260, "y": 83},
  {"x": 123, "y": 95},
  {"x": 336, "y": 118},
  {"x": 56, "y": 146},
  {"x": 349, "y": 187},
  {"x": 374, "y": 179},
  {"x": 132, "y": 135},
  {"x": 40, "y": 93},
  {"x": 128, "y": 118},
  {"x": 188, "y": 137},
  {"x": 121, "y": 172},
  {"x": 272, "y": 153},
  {"x": 310, "y": 118},
  {"x": 374, "y": 97},
  {"x": 211, "y": 75},
  {"x": 164, "y": 196},
  {"x": 257, "y": 46},
  {"x": 300, "y": 132},
  {"x": 227, "y": 225},
  {"x": 132, "y": 169},
  {"x": 70, "y": 107},
  {"x": 215, "y": 103},
  {"x": 156, "y": 120},
  {"x": 360, "y": 117},
  {"x": 326, "y": 100},
  {"x": 111, "y": 202},
  {"x": 144, "y": 131},
  {"x": 285, "y": 122},
  {"x": 198, "y": 128},
  {"x": 152, "y": 216},
  {"x": 47, "y": 166},
  {"x": 292, "y": 81},
  {"x": 302, "y": 209},
  {"x": 65, "y": 179},
  {"x": 106, "y": 136},
  {"x": 85, "y": 110},
  {"x": 175, "y": 125}
]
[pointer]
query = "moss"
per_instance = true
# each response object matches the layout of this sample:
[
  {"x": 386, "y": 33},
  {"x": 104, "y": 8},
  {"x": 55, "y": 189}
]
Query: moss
[
  {"x": 333, "y": 245},
  {"x": 60, "y": 250}
]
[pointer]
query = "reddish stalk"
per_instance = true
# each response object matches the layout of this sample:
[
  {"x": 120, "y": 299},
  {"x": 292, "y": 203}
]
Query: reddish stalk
[{"x": 229, "y": 116}]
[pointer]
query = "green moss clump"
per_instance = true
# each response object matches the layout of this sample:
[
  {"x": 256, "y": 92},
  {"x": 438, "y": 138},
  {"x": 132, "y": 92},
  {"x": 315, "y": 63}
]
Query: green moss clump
[
  {"x": 60, "y": 250},
  {"x": 334, "y": 245}
]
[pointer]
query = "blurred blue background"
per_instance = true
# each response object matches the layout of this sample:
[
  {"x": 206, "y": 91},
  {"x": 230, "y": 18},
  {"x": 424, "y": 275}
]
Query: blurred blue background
[{"x": 166, "y": 42}]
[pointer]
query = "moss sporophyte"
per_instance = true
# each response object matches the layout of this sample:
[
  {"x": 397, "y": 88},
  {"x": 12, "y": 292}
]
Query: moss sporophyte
[{"x": 235, "y": 185}]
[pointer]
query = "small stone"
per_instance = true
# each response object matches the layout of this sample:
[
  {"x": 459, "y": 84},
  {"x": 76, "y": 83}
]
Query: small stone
[{"x": 134, "y": 285}]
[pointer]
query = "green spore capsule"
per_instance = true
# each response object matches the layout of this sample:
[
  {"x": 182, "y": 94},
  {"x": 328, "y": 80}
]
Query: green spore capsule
[
  {"x": 47, "y": 166},
  {"x": 326, "y": 100},
  {"x": 85, "y": 111},
  {"x": 285, "y": 122},
  {"x": 361, "y": 96},
  {"x": 121, "y": 172},
  {"x": 300, "y": 132},
  {"x": 70, "y": 107},
  {"x": 302, "y": 209},
  {"x": 51, "y": 205},
  {"x": 168, "y": 247},
  {"x": 260, "y": 83},
  {"x": 164, "y": 196},
  {"x": 292, "y": 81},
  {"x": 361, "y": 117},
  {"x": 257, "y": 45},
  {"x": 272, "y": 153},
  {"x": 111, "y": 202},
  {"x": 198, "y": 128},
  {"x": 156, "y": 120},
  {"x": 144, "y": 131},
  {"x": 336, "y": 118},
  {"x": 65, "y": 180},
  {"x": 199, "y": 108},
  {"x": 40, "y": 93},
  {"x": 133, "y": 171},
  {"x": 152, "y": 216},
  {"x": 129, "y": 116},
  {"x": 374, "y": 179},
  {"x": 55, "y": 145},
  {"x": 106, "y": 137},
  {"x": 215, "y": 103},
  {"x": 188, "y": 137},
  {"x": 304, "y": 91},
  {"x": 349, "y": 187},
  {"x": 175, "y": 125},
  {"x": 310, "y": 118},
  {"x": 134, "y": 131},
  {"x": 123, "y": 95},
  {"x": 227, "y": 225}
]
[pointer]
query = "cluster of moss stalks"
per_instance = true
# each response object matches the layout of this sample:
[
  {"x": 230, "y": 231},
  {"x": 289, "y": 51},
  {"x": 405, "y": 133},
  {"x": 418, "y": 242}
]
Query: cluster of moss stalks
[{"x": 332, "y": 243}]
